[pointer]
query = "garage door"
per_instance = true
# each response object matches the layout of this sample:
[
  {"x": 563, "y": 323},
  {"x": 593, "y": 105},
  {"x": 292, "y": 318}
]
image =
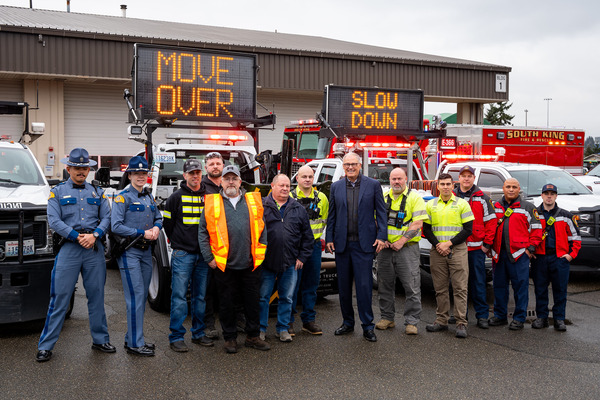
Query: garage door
[
  {"x": 11, "y": 125},
  {"x": 288, "y": 107}
]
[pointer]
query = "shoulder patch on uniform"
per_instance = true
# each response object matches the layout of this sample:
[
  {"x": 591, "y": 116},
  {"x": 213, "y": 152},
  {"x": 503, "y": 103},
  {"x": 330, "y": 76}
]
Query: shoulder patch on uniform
[
  {"x": 536, "y": 214},
  {"x": 119, "y": 199},
  {"x": 51, "y": 195},
  {"x": 103, "y": 196},
  {"x": 491, "y": 203},
  {"x": 575, "y": 219}
]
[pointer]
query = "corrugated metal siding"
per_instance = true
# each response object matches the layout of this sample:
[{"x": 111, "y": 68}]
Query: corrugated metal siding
[
  {"x": 290, "y": 107},
  {"x": 11, "y": 125},
  {"x": 100, "y": 59}
]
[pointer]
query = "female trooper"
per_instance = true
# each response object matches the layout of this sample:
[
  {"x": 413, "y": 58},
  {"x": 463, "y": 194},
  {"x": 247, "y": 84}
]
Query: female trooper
[{"x": 137, "y": 221}]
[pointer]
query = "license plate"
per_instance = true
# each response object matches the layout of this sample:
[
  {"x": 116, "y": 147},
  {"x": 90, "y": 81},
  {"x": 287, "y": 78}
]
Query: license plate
[
  {"x": 164, "y": 158},
  {"x": 12, "y": 248}
]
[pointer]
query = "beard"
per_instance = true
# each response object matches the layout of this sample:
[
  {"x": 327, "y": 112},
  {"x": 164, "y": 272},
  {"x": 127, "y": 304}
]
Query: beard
[
  {"x": 215, "y": 173},
  {"x": 231, "y": 191}
]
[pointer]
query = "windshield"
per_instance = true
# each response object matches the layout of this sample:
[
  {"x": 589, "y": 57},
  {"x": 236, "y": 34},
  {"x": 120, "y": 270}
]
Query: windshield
[
  {"x": 595, "y": 171},
  {"x": 17, "y": 166},
  {"x": 532, "y": 182},
  {"x": 309, "y": 146},
  {"x": 170, "y": 172}
]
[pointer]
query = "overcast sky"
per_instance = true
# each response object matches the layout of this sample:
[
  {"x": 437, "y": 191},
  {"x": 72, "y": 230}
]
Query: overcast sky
[{"x": 551, "y": 46}]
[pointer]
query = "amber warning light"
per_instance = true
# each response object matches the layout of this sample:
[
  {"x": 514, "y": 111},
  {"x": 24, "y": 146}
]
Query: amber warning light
[{"x": 189, "y": 84}]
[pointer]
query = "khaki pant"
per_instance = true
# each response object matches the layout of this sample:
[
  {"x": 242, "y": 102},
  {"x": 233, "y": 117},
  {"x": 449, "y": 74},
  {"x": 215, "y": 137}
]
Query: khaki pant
[{"x": 455, "y": 270}]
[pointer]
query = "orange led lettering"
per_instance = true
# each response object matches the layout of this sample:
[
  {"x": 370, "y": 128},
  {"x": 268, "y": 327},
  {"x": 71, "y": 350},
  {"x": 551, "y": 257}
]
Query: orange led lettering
[
  {"x": 167, "y": 60},
  {"x": 357, "y": 100},
  {"x": 221, "y": 104},
  {"x": 180, "y": 66},
  {"x": 367, "y": 105},
  {"x": 224, "y": 71},
  {"x": 212, "y": 69},
  {"x": 200, "y": 102},
  {"x": 159, "y": 100},
  {"x": 185, "y": 111},
  {"x": 392, "y": 104},
  {"x": 380, "y": 100}
]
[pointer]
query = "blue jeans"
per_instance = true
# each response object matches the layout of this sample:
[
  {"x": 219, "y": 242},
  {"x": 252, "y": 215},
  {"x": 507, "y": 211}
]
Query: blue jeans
[
  {"x": 286, "y": 282},
  {"x": 308, "y": 282},
  {"x": 477, "y": 284},
  {"x": 188, "y": 269},
  {"x": 518, "y": 275},
  {"x": 550, "y": 269}
]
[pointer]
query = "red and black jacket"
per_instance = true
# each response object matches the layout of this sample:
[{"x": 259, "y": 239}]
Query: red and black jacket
[
  {"x": 484, "y": 226},
  {"x": 566, "y": 232},
  {"x": 524, "y": 230}
]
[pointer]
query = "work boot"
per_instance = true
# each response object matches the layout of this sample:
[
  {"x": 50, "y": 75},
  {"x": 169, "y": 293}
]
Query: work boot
[
  {"x": 230, "y": 346},
  {"x": 312, "y": 328},
  {"x": 262, "y": 335},
  {"x": 204, "y": 341},
  {"x": 436, "y": 327},
  {"x": 540, "y": 323},
  {"x": 384, "y": 324},
  {"x": 291, "y": 330},
  {"x": 461, "y": 331},
  {"x": 211, "y": 333},
  {"x": 257, "y": 343},
  {"x": 495, "y": 321},
  {"x": 483, "y": 323},
  {"x": 560, "y": 325},
  {"x": 411, "y": 329}
]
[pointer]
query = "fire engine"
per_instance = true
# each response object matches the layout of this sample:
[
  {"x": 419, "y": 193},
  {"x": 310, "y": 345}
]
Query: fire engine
[{"x": 561, "y": 148}]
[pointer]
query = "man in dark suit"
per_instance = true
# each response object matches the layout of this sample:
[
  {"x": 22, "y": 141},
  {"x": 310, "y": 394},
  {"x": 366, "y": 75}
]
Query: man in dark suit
[{"x": 356, "y": 230}]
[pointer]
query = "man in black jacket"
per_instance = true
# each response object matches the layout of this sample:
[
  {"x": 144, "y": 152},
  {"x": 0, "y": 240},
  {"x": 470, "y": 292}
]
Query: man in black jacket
[
  {"x": 181, "y": 218},
  {"x": 290, "y": 245}
]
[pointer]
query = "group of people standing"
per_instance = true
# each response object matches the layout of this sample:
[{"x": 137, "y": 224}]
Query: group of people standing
[{"x": 247, "y": 246}]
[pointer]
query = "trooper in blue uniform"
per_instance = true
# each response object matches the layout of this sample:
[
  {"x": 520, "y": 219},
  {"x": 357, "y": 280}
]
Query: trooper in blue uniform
[
  {"x": 80, "y": 214},
  {"x": 136, "y": 218}
]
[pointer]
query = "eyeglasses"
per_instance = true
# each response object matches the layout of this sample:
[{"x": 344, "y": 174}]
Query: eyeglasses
[{"x": 348, "y": 165}]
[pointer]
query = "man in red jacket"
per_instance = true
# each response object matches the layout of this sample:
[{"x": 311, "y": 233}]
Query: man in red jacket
[
  {"x": 480, "y": 242},
  {"x": 518, "y": 233},
  {"x": 559, "y": 246}
]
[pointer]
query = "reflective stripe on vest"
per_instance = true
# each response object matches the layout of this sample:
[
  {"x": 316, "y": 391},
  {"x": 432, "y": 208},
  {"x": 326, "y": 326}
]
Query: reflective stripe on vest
[
  {"x": 216, "y": 225},
  {"x": 449, "y": 221}
]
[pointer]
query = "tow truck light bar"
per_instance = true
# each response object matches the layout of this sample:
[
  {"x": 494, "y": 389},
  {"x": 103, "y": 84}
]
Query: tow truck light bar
[
  {"x": 399, "y": 145},
  {"x": 206, "y": 136},
  {"x": 466, "y": 157},
  {"x": 304, "y": 122}
]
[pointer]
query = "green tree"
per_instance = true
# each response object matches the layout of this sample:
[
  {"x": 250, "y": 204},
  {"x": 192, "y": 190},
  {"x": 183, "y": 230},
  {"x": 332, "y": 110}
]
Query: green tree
[
  {"x": 593, "y": 149},
  {"x": 497, "y": 114}
]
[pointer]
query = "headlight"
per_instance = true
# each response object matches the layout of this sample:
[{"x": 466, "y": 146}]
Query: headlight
[
  {"x": 586, "y": 217},
  {"x": 48, "y": 249},
  {"x": 585, "y": 230}
]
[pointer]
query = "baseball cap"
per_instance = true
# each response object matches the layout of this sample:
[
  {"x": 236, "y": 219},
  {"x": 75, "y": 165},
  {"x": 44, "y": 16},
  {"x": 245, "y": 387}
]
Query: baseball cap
[
  {"x": 231, "y": 169},
  {"x": 467, "y": 168},
  {"x": 192, "y": 165},
  {"x": 549, "y": 187}
]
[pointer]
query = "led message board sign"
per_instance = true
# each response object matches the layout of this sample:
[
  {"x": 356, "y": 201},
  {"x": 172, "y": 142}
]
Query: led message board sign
[
  {"x": 359, "y": 111},
  {"x": 198, "y": 85}
]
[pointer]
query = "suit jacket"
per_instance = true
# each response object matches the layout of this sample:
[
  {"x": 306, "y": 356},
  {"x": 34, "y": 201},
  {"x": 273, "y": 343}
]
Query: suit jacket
[{"x": 372, "y": 215}]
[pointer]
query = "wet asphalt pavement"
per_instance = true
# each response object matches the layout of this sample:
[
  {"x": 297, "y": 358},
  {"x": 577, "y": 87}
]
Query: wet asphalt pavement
[{"x": 494, "y": 363}]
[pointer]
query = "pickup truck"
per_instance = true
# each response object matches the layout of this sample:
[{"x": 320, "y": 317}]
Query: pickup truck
[{"x": 572, "y": 196}]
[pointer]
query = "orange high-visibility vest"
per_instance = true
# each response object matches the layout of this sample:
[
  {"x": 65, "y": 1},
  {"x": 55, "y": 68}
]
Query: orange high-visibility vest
[{"x": 216, "y": 225}]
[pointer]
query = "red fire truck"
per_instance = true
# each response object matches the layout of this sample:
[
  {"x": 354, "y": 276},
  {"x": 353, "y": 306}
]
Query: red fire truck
[{"x": 562, "y": 148}]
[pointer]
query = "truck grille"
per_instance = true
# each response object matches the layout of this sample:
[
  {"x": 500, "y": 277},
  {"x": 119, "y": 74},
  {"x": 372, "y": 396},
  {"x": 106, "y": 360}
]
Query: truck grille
[{"x": 31, "y": 224}]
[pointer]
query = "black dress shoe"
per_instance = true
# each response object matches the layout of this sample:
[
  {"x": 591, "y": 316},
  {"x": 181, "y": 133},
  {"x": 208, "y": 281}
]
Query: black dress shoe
[
  {"x": 540, "y": 323},
  {"x": 141, "y": 351},
  {"x": 495, "y": 321},
  {"x": 151, "y": 346},
  {"x": 515, "y": 325},
  {"x": 483, "y": 323},
  {"x": 43, "y": 355},
  {"x": 104, "y": 347},
  {"x": 344, "y": 329},
  {"x": 436, "y": 328},
  {"x": 560, "y": 325},
  {"x": 370, "y": 335}
]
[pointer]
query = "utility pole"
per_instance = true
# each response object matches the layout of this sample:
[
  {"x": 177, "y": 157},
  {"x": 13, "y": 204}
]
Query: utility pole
[{"x": 547, "y": 100}]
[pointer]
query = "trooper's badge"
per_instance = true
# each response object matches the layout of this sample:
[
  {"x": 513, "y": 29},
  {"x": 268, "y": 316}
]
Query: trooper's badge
[{"x": 119, "y": 199}]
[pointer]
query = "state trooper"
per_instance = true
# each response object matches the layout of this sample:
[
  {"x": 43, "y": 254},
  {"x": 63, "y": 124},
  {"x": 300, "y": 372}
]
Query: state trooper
[
  {"x": 80, "y": 214},
  {"x": 137, "y": 220}
]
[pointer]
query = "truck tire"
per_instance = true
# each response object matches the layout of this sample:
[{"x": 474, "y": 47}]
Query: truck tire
[{"x": 159, "y": 292}]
